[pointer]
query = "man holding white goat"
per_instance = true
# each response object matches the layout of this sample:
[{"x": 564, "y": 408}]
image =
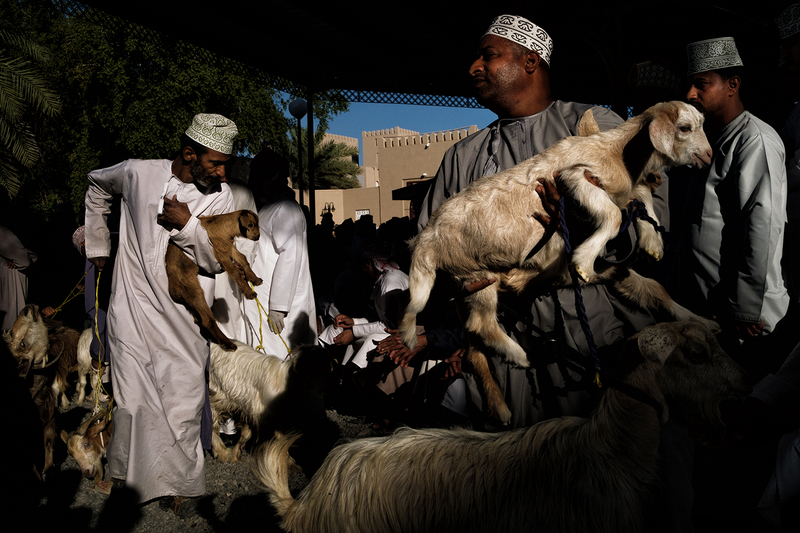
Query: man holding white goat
[
  {"x": 512, "y": 78},
  {"x": 737, "y": 213},
  {"x": 159, "y": 355}
]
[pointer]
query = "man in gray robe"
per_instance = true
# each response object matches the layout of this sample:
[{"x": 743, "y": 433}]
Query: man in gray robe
[
  {"x": 511, "y": 77},
  {"x": 513, "y": 80},
  {"x": 736, "y": 213},
  {"x": 159, "y": 354}
]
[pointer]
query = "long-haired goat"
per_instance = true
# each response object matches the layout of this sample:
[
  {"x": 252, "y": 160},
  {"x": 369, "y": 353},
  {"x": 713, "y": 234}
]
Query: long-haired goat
[
  {"x": 247, "y": 384},
  {"x": 562, "y": 475},
  {"x": 488, "y": 230},
  {"x": 39, "y": 343},
  {"x": 184, "y": 286}
]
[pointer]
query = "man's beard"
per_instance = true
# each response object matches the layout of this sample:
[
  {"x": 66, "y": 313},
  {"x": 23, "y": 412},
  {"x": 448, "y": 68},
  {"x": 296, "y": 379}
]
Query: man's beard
[{"x": 203, "y": 182}]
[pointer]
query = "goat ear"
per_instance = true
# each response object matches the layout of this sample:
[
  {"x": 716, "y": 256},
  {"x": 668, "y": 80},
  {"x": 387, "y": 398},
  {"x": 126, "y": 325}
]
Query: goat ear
[
  {"x": 662, "y": 133},
  {"x": 64, "y": 436},
  {"x": 657, "y": 342},
  {"x": 587, "y": 125}
]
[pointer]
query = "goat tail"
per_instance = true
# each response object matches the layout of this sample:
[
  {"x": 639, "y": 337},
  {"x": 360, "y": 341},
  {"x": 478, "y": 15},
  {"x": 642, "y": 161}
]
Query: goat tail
[
  {"x": 84, "y": 349},
  {"x": 271, "y": 467},
  {"x": 421, "y": 278}
]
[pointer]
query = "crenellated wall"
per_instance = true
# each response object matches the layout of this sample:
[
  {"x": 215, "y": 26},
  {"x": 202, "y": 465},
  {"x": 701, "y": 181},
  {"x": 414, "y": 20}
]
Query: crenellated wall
[{"x": 396, "y": 157}]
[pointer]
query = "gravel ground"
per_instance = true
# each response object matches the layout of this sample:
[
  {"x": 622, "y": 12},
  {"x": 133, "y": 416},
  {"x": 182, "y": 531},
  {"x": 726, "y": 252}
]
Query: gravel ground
[{"x": 234, "y": 499}]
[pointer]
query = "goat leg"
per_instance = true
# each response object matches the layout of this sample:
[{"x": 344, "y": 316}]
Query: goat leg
[{"x": 496, "y": 405}]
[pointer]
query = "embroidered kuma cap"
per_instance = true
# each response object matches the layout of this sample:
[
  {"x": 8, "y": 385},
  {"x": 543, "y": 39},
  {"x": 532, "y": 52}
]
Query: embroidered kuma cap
[
  {"x": 789, "y": 21},
  {"x": 213, "y": 131},
  {"x": 712, "y": 54},
  {"x": 523, "y": 32}
]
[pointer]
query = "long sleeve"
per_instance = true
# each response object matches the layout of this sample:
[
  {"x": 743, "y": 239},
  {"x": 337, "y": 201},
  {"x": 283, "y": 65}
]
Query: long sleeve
[
  {"x": 103, "y": 185},
  {"x": 288, "y": 231},
  {"x": 761, "y": 188}
]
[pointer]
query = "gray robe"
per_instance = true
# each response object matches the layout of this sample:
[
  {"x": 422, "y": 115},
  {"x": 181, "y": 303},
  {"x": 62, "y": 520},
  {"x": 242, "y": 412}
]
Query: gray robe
[
  {"x": 542, "y": 392},
  {"x": 736, "y": 216},
  {"x": 159, "y": 355},
  {"x": 13, "y": 283}
]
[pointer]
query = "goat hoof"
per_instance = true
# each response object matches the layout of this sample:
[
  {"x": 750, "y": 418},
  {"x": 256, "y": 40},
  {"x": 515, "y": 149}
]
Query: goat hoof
[
  {"x": 654, "y": 254},
  {"x": 258, "y": 281},
  {"x": 583, "y": 275},
  {"x": 501, "y": 413}
]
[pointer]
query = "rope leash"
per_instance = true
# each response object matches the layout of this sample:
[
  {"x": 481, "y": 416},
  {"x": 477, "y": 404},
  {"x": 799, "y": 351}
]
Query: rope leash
[
  {"x": 260, "y": 346},
  {"x": 579, "y": 305},
  {"x": 101, "y": 356},
  {"x": 72, "y": 294}
]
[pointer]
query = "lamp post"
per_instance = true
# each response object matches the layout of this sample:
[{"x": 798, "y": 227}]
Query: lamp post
[{"x": 298, "y": 109}]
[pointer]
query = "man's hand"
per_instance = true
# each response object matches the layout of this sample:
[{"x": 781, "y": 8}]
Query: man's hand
[
  {"x": 99, "y": 262},
  {"x": 748, "y": 330},
  {"x": 453, "y": 365},
  {"x": 176, "y": 214},
  {"x": 344, "y": 338},
  {"x": 548, "y": 192},
  {"x": 654, "y": 181},
  {"x": 48, "y": 311},
  {"x": 276, "y": 321},
  {"x": 398, "y": 352},
  {"x": 343, "y": 321}
]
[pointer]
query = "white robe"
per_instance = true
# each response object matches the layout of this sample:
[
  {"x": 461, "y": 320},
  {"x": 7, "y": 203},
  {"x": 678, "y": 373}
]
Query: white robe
[
  {"x": 282, "y": 262},
  {"x": 159, "y": 355},
  {"x": 13, "y": 283}
]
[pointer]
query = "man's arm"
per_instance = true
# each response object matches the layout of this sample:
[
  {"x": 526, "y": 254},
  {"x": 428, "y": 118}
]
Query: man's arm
[
  {"x": 104, "y": 184},
  {"x": 762, "y": 201}
]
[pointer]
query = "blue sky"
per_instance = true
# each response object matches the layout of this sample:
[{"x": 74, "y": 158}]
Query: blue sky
[{"x": 424, "y": 119}]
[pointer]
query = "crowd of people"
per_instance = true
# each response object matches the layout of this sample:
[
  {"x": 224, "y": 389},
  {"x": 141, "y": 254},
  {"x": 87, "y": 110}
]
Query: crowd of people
[{"x": 345, "y": 286}]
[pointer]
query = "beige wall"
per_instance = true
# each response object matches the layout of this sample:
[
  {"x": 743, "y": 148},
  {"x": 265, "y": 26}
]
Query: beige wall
[
  {"x": 392, "y": 159},
  {"x": 395, "y": 157}
]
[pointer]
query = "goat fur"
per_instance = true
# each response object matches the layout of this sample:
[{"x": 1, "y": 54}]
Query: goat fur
[
  {"x": 568, "y": 475},
  {"x": 184, "y": 287},
  {"x": 38, "y": 342},
  {"x": 488, "y": 230},
  {"x": 245, "y": 384},
  {"x": 88, "y": 444}
]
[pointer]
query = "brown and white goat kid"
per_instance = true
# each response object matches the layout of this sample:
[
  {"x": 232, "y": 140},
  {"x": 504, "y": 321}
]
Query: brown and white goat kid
[
  {"x": 87, "y": 445},
  {"x": 246, "y": 384},
  {"x": 38, "y": 343},
  {"x": 567, "y": 475},
  {"x": 488, "y": 230},
  {"x": 184, "y": 286}
]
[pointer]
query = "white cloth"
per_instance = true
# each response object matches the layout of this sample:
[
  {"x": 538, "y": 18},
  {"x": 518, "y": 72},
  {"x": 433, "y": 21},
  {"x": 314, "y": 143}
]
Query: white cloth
[
  {"x": 364, "y": 331},
  {"x": 159, "y": 354},
  {"x": 282, "y": 262},
  {"x": 13, "y": 283},
  {"x": 736, "y": 219},
  {"x": 229, "y": 303}
]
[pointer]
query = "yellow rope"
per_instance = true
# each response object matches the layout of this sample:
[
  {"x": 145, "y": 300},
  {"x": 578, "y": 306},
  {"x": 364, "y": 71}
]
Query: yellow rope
[
  {"x": 72, "y": 294},
  {"x": 261, "y": 322},
  {"x": 102, "y": 352}
]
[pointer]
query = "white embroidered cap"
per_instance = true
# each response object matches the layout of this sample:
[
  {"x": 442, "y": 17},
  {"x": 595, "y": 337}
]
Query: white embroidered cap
[
  {"x": 712, "y": 54},
  {"x": 523, "y": 32},
  {"x": 789, "y": 21},
  {"x": 213, "y": 131}
]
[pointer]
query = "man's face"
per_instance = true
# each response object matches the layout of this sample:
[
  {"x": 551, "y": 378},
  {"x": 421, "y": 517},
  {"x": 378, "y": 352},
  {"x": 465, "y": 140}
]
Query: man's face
[
  {"x": 790, "y": 54},
  {"x": 209, "y": 169},
  {"x": 708, "y": 93},
  {"x": 498, "y": 73}
]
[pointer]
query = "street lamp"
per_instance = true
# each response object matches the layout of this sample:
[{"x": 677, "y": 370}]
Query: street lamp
[{"x": 298, "y": 109}]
